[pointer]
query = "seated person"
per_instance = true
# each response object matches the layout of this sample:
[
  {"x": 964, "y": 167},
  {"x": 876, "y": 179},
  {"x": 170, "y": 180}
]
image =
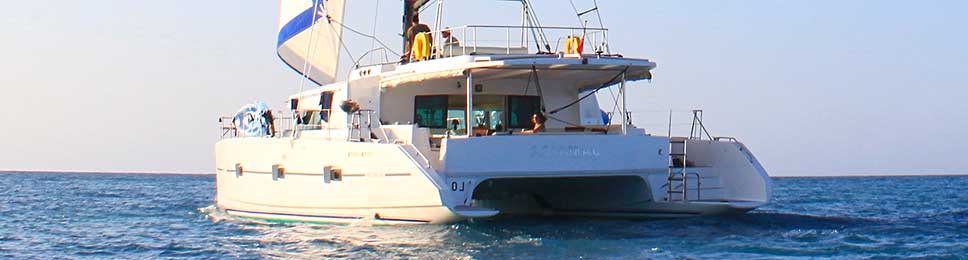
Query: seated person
[
  {"x": 538, "y": 120},
  {"x": 449, "y": 40},
  {"x": 481, "y": 130},
  {"x": 454, "y": 124}
]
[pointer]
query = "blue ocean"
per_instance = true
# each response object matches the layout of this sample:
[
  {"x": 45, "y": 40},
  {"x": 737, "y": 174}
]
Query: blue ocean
[{"x": 138, "y": 216}]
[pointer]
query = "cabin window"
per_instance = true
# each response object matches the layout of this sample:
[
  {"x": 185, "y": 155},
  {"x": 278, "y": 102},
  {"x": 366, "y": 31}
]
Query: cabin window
[
  {"x": 493, "y": 113},
  {"x": 430, "y": 111},
  {"x": 520, "y": 109}
]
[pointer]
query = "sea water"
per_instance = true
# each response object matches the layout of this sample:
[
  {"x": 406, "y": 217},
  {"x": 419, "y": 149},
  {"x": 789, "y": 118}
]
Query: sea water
[{"x": 138, "y": 216}]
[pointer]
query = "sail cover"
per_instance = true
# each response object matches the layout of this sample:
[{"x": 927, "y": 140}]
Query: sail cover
[{"x": 309, "y": 37}]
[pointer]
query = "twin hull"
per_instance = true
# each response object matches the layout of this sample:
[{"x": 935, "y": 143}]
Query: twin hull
[{"x": 321, "y": 180}]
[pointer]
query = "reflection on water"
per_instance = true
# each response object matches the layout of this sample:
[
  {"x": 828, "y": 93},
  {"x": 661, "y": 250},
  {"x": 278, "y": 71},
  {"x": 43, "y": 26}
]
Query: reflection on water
[
  {"x": 755, "y": 234},
  {"x": 358, "y": 240}
]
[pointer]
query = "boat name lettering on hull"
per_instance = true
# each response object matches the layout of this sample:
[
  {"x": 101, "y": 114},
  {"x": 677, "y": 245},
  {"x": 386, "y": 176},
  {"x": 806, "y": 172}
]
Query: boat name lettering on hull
[{"x": 564, "y": 151}]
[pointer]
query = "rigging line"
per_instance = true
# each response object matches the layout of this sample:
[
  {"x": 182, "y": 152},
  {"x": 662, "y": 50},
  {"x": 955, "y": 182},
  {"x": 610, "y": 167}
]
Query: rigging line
[
  {"x": 537, "y": 26},
  {"x": 343, "y": 45},
  {"x": 614, "y": 97},
  {"x": 614, "y": 103},
  {"x": 534, "y": 17},
  {"x": 314, "y": 39},
  {"x": 612, "y": 113},
  {"x": 607, "y": 83},
  {"x": 330, "y": 21},
  {"x": 563, "y": 121},
  {"x": 528, "y": 86},
  {"x": 367, "y": 36},
  {"x": 530, "y": 25},
  {"x": 426, "y": 6},
  {"x": 534, "y": 33},
  {"x": 598, "y": 14},
  {"x": 577, "y": 14},
  {"x": 537, "y": 86},
  {"x": 376, "y": 16},
  {"x": 309, "y": 48},
  {"x": 544, "y": 36},
  {"x": 601, "y": 25}
]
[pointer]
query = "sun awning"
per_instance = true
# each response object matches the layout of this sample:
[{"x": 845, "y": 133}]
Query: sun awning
[{"x": 586, "y": 75}]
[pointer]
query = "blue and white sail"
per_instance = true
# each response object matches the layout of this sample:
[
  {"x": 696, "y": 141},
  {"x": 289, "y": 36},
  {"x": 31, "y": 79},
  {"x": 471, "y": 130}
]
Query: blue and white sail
[{"x": 309, "y": 37}]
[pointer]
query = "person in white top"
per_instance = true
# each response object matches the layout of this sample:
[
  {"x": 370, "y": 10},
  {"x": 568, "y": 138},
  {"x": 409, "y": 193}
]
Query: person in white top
[{"x": 448, "y": 38}]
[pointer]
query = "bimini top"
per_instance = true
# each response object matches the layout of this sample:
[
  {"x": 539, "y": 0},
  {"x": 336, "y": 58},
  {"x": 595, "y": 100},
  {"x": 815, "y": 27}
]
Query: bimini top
[{"x": 587, "y": 70}]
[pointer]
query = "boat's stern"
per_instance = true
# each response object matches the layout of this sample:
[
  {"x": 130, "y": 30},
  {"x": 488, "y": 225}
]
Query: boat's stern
[
  {"x": 551, "y": 173},
  {"x": 600, "y": 175}
]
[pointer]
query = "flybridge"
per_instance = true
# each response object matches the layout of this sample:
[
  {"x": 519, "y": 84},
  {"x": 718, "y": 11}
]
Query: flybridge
[
  {"x": 517, "y": 39},
  {"x": 311, "y": 40}
]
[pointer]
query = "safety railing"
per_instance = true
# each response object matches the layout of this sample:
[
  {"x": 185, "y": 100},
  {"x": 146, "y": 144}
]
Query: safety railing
[
  {"x": 362, "y": 125},
  {"x": 382, "y": 55},
  {"x": 503, "y": 39},
  {"x": 281, "y": 126},
  {"x": 674, "y": 123},
  {"x": 227, "y": 127}
]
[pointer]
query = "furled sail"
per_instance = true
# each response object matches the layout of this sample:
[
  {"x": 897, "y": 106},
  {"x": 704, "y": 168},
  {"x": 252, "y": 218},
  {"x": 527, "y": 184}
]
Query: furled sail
[{"x": 309, "y": 37}]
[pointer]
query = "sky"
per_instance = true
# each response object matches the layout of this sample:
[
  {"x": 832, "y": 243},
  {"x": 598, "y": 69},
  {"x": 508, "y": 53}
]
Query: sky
[{"x": 816, "y": 87}]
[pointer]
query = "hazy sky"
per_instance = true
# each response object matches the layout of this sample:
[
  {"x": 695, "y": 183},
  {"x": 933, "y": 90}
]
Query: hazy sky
[{"x": 812, "y": 87}]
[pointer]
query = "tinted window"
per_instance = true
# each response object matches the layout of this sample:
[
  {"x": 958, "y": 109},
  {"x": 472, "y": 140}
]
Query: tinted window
[
  {"x": 430, "y": 111},
  {"x": 520, "y": 110}
]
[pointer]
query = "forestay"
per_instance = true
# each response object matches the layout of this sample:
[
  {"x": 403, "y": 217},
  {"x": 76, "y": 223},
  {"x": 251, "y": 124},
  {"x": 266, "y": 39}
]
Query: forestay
[{"x": 309, "y": 37}]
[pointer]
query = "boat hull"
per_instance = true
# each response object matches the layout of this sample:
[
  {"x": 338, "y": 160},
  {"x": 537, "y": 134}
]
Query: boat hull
[{"x": 321, "y": 181}]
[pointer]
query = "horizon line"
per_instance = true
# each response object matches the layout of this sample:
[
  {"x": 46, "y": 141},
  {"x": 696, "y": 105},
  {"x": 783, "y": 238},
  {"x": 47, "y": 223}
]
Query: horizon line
[
  {"x": 886, "y": 174},
  {"x": 212, "y": 173},
  {"x": 107, "y": 172}
]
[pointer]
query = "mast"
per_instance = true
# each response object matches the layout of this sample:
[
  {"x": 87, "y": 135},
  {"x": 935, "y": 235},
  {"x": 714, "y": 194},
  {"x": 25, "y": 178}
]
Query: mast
[{"x": 409, "y": 9}]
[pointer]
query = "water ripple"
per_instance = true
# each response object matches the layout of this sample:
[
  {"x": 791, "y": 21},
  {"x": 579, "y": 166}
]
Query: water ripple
[{"x": 118, "y": 216}]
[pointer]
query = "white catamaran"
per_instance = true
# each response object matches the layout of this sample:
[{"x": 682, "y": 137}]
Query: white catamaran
[{"x": 502, "y": 122}]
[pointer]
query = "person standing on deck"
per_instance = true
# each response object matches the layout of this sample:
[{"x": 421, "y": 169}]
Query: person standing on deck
[{"x": 415, "y": 28}]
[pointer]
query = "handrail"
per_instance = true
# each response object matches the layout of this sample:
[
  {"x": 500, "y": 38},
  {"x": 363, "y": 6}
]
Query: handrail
[
  {"x": 227, "y": 126},
  {"x": 698, "y": 184},
  {"x": 697, "y": 128},
  {"x": 472, "y": 40},
  {"x": 533, "y": 27},
  {"x": 386, "y": 60},
  {"x": 281, "y": 123}
]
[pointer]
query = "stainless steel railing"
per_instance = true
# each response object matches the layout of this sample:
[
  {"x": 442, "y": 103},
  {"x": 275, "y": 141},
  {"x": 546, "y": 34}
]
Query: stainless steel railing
[{"x": 505, "y": 39}]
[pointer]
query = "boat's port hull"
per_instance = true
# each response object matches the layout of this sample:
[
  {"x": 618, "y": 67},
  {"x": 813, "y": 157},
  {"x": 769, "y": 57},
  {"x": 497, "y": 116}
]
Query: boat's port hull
[{"x": 383, "y": 216}]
